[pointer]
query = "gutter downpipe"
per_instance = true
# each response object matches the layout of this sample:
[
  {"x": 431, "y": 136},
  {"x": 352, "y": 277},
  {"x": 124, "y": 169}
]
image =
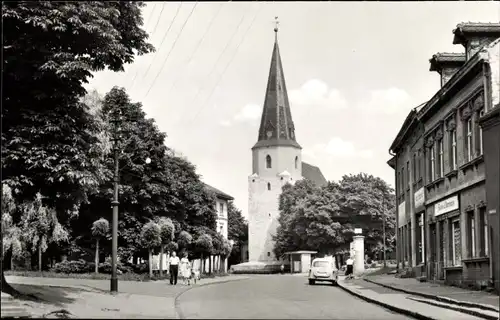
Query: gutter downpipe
[
  {"x": 487, "y": 99},
  {"x": 396, "y": 233}
]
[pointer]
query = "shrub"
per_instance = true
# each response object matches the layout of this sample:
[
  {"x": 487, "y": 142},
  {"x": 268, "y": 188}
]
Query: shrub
[{"x": 74, "y": 266}]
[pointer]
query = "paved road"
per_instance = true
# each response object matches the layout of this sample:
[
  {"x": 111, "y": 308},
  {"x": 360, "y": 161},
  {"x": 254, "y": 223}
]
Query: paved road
[{"x": 276, "y": 297}]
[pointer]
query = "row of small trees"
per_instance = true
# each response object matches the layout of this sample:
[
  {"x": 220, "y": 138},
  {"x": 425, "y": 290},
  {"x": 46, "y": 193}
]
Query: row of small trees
[{"x": 160, "y": 233}]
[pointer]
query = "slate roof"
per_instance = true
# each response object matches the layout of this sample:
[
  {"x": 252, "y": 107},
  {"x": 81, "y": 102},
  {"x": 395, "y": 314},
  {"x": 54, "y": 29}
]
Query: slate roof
[
  {"x": 218, "y": 193},
  {"x": 491, "y": 29},
  {"x": 313, "y": 174},
  {"x": 442, "y": 59},
  {"x": 276, "y": 124}
]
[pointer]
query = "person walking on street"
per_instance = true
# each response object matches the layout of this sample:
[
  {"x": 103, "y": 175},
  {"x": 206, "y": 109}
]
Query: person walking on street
[
  {"x": 185, "y": 270},
  {"x": 349, "y": 268},
  {"x": 174, "y": 268}
]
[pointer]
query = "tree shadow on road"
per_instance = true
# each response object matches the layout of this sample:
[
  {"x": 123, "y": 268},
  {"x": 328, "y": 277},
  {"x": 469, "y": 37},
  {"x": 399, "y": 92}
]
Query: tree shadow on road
[{"x": 57, "y": 296}]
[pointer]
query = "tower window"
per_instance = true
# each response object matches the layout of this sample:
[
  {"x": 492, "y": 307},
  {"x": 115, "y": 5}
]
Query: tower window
[
  {"x": 253, "y": 180},
  {"x": 269, "y": 215},
  {"x": 296, "y": 162},
  {"x": 268, "y": 186},
  {"x": 268, "y": 254},
  {"x": 269, "y": 162},
  {"x": 281, "y": 178}
]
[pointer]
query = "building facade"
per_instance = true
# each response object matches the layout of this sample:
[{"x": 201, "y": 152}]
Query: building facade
[
  {"x": 276, "y": 160},
  {"x": 445, "y": 230},
  {"x": 221, "y": 205}
]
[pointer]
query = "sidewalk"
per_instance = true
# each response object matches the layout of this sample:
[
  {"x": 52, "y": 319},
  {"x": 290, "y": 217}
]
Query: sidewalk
[
  {"x": 443, "y": 293},
  {"x": 408, "y": 304},
  {"x": 85, "y": 298}
]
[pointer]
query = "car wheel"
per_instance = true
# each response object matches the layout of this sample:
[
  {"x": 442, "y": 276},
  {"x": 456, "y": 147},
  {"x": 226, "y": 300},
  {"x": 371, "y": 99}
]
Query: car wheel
[
  {"x": 335, "y": 283},
  {"x": 312, "y": 282}
]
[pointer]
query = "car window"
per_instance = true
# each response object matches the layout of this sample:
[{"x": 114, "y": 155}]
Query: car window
[{"x": 321, "y": 264}]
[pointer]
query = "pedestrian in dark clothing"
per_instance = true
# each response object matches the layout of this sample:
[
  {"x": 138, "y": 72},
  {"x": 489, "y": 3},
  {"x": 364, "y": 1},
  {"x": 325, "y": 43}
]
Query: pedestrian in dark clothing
[{"x": 174, "y": 268}]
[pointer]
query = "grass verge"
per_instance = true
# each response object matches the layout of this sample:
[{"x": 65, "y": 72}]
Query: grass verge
[{"x": 129, "y": 276}]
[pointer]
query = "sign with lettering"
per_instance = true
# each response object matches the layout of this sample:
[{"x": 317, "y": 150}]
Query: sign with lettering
[
  {"x": 402, "y": 214},
  {"x": 446, "y": 205},
  {"x": 419, "y": 197}
]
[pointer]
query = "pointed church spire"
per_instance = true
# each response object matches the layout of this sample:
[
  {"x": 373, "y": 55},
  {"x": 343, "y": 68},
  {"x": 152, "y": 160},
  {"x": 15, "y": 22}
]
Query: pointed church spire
[{"x": 276, "y": 124}]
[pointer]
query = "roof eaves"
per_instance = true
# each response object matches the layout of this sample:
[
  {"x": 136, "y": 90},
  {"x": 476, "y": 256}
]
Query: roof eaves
[
  {"x": 403, "y": 130},
  {"x": 445, "y": 89},
  {"x": 473, "y": 27}
]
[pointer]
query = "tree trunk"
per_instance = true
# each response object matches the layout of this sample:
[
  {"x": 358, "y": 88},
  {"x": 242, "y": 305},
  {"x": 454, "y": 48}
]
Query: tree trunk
[
  {"x": 40, "y": 257},
  {"x": 202, "y": 265},
  {"x": 12, "y": 263},
  {"x": 210, "y": 264},
  {"x": 97, "y": 256},
  {"x": 161, "y": 260},
  {"x": 150, "y": 263}
]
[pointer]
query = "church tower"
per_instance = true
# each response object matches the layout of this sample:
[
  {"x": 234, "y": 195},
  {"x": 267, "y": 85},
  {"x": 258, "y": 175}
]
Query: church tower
[{"x": 276, "y": 160}]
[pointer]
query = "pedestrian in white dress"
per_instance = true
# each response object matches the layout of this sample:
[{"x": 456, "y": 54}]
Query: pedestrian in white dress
[{"x": 186, "y": 269}]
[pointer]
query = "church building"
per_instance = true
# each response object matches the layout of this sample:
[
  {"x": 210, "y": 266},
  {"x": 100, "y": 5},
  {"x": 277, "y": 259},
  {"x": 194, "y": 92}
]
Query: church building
[{"x": 276, "y": 160}]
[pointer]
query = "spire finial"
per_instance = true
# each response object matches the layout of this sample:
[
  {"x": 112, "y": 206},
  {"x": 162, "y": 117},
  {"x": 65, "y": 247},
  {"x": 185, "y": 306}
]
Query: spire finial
[{"x": 276, "y": 24}]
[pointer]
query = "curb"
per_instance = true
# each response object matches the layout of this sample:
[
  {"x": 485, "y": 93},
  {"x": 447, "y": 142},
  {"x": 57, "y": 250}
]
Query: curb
[
  {"x": 385, "y": 305},
  {"x": 438, "y": 298},
  {"x": 178, "y": 311},
  {"x": 458, "y": 309}
]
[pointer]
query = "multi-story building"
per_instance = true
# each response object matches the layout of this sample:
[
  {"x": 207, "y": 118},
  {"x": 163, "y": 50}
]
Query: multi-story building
[
  {"x": 445, "y": 229},
  {"x": 221, "y": 205}
]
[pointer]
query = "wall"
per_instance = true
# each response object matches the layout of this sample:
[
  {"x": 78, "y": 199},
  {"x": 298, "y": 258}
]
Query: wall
[
  {"x": 492, "y": 162},
  {"x": 222, "y": 220},
  {"x": 263, "y": 203}
]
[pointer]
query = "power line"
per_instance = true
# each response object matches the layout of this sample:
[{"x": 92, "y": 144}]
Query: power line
[
  {"x": 197, "y": 47},
  {"x": 171, "y": 49},
  {"x": 159, "y": 48},
  {"x": 220, "y": 56},
  {"x": 228, "y": 64},
  {"x": 146, "y": 23},
  {"x": 158, "y": 20}
]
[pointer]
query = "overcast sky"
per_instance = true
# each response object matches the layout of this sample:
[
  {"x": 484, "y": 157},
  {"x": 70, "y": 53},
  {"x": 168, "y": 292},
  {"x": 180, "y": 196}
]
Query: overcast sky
[{"x": 353, "y": 71}]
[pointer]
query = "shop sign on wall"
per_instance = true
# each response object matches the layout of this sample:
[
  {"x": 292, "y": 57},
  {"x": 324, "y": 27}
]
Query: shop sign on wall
[{"x": 446, "y": 205}]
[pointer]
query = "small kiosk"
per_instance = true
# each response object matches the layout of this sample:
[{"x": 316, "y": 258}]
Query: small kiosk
[{"x": 300, "y": 261}]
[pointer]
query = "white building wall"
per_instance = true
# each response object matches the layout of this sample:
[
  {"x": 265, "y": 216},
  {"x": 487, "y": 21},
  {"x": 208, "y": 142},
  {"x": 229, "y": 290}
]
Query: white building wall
[{"x": 263, "y": 203}]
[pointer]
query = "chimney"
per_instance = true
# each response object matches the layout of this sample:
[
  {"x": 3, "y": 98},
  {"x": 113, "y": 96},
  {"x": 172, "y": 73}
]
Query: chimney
[
  {"x": 475, "y": 35},
  {"x": 446, "y": 64}
]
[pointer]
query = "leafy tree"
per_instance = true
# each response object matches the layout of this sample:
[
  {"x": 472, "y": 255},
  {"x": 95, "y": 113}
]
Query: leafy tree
[
  {"x": 286, "y": 239},
  {"x": 151, "y": 239},
  {"x": 100, "y": 229},
  {"x": 49, "y": 137},
  {"x": 204, "y": 246},
  {"x": 184, "y": 240},
  {"x": 167, "y": 231},
  {"x": 11, "y": 234},
  {"x": 39, "y": 227},
  {"x": 225, "y": 252},
  {"x": 166, "y": 187},
  {"x": 368, "y": 200},
  {"x": 172, "y": 246},
  {"x": 237, "y": 230},
  {"x": 218, "y": 247},
  {"x": 324, "y": 219}
]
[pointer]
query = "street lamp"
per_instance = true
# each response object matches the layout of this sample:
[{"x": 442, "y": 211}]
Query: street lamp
[{"x": 116, "y": 120}]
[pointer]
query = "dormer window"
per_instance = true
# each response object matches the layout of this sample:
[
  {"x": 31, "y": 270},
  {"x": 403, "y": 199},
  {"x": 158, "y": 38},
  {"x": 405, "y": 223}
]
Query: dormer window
[{"x": 268, "y": 162}]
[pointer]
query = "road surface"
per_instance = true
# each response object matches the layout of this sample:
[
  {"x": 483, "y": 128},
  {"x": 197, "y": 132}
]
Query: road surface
[{"x": 276, "y": 297}]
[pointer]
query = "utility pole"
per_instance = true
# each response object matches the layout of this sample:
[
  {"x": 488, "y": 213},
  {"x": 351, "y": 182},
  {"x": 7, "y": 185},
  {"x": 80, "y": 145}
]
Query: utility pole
[
  {"x": 116, "y": 180},
  {"x": 383, "y": 228}
]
